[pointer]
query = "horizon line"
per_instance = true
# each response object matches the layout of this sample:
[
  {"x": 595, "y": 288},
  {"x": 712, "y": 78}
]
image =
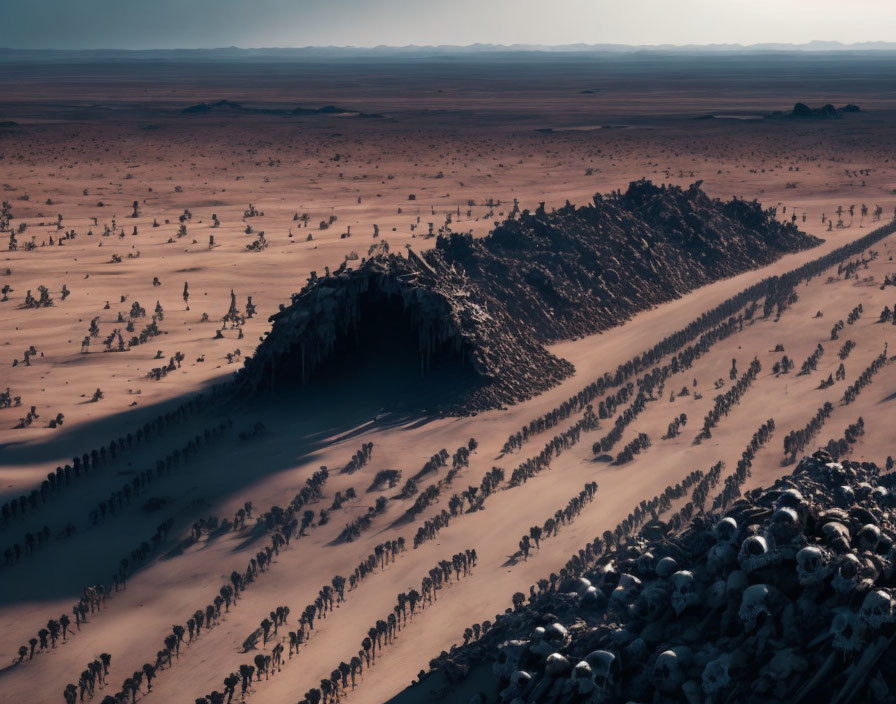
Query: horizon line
[{"x": 817, "y": 44}]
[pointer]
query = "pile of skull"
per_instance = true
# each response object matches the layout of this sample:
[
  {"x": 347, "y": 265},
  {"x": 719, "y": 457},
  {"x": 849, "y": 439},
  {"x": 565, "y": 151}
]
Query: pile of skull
[{"x": 784, "y": 597}]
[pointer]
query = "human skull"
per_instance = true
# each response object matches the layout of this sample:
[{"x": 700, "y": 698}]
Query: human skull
[
  {"x": 626, "y": 591},
  {"x": 621, "y": 636},
  {"x": 725, "y": 531},
  {"x": 877, "y": 609},
  {"x": 636, "y": 651},
  {"x": 813, "y": 565},
  {"x": 845, "y": 496},
  {"x": 594, "y": 599},
  {"x": 646, "y": 564},
  {"x": 862, "y": 490},
  {"x": 848, "y": 631},
  {"x": 606, "y": 574},
  {"x": 510, "y": 655},
  {"x": 537, "y": 643},
  {"x": 519, "y": 683},
  {"x": 836, "y": 536},
  {"x": 755, "y": 601},
  {"x": 669, "y": 670},
  {"x": 790, "y": 498},
  {"x": 715, "y": 595},
  {"x": 666, "y": 567},
  {"x": 653, "y": 601},
  {"x": 719, "y": 557},
  {"x": 582, "y": 585},
  {"x": 785, "y": 525},
  {"x": 848, "y": 574},
  {"x": 556, "y": 665},
  {"x": 684, "y": 591},
  {"x": 736, "y": 583},
  {"x": 605, "y": 667},
  {"x": 868, "y": 537},
  {"x": 754, "y": 554},
  {"x": 557, "y": 635},
  {"x": 784, "y": 663},
  {"x": 715, "y": 675},
  {"x": 583, "y": 677},
  {"x": 520, "y": 679}
]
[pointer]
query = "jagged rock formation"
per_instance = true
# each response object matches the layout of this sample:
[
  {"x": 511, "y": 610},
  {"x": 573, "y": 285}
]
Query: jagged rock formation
[
  {"x": 786, "y": 597},
  {"x": 540, "y": 277}
]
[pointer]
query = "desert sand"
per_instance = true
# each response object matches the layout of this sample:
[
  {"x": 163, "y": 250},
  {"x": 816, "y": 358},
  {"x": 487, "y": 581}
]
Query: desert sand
[{"x": 110, "y": 137}]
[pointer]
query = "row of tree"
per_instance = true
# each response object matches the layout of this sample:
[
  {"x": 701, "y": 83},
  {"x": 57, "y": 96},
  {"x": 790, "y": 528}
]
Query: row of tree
[
  {"x": 94, "y": 597},
  {"x": 614, "y": 435},
  {"x": 553, "y": 448},
  {"x": 847, "y": 347},
  {"x": 430, "y": 495},
  {"x": 142, "y": 481},
  {"x": 865, "y": 378},
  {"x": 560, "y": 518},
  {"x": 796, "y": 440},
  {"x": 723, "y": 403},
  {"x": 116, "y": 502},
  {"x": 94, "y": 674},
  {"x": 380, "y": 557},
  {"x": 887, "y": 315},
  {"x": 697, "y": 504},
  {"x": 634, "y": 447},
  {"x": 675, "y": 426},
  {"x": 359, "y": 524},
  {"x": 811, "y": 363},
  {"x": 383, "y": 632},
  {"x": 359, "y": 459},
  {"x": 281, "y": 527},
  {"x": 472, "y": 497},
  {"x": 96, "y": 460},
  {"x": 850, "y": 269},
  {"x": 731, "y": 490},
  {"x": 841, "y": 447}
]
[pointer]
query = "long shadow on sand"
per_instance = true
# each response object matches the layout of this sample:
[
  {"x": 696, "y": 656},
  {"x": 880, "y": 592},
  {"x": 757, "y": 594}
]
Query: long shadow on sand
[{"x": 299, "y": 425}]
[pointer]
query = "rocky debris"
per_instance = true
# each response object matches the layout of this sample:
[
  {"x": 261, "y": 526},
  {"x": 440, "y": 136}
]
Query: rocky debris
[
  {"x": 787, "y": 596},
  {"x": 540, "y": 277}
]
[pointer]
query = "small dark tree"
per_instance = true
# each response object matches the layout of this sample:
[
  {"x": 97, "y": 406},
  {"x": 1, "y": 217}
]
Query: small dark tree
[{"x": 266, "y": 629}]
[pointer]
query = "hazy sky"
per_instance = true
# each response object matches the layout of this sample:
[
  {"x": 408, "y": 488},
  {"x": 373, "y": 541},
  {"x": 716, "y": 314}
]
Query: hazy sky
[{"x": 280, "y": 23}]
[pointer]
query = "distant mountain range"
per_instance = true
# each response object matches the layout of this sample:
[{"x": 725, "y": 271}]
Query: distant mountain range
[
  {"x": 225, "y": 53},
  {"x": 230, "y": 106}
]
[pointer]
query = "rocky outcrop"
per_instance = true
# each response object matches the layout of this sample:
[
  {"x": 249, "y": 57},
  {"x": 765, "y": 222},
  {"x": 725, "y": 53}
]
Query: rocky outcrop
[
  {"x": 801, "y": 111},
  {"x": 492, "y": 303},
  {"x": 437, "y": 302}
]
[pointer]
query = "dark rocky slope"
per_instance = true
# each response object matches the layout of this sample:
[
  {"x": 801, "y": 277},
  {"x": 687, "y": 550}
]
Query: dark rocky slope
[{"x": 490, "y": 304}]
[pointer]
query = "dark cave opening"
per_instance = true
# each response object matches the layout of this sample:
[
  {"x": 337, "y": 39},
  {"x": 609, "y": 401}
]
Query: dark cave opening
[{"x": 380, "y": 359}]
